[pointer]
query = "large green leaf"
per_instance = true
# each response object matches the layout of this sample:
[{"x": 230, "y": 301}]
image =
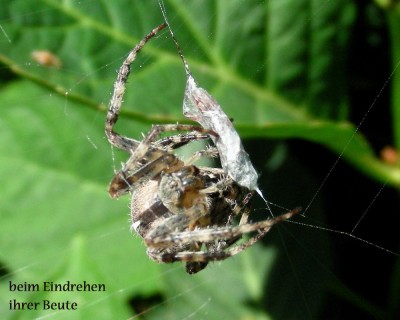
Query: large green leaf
[
  {"x": 276, "y": 67},
  {"x": 56, "y": 191},
  {"x": 58, "y": 224}
]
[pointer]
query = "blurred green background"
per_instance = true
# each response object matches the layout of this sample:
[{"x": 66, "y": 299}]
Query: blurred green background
[{"x": 297, "y": 77}]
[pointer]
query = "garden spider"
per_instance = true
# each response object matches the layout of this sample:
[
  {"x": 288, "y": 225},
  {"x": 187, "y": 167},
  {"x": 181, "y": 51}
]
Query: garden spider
[{"x": 183, "y": 212}]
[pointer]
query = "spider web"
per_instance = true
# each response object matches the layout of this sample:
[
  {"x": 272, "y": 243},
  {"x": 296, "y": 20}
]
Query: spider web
[{"x": 58, "y": 222}]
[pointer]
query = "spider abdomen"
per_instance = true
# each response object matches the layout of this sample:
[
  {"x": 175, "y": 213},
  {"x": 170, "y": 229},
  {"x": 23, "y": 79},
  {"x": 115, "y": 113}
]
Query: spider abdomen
[{"x": 146, "y": 207}]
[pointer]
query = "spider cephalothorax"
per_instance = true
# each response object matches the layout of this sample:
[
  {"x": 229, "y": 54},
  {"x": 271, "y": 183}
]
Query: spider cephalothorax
[{"x": 183, "y": 212}]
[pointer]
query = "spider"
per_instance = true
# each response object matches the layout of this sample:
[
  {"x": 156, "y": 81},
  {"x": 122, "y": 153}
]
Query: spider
[{"x": 182, "y": 211}]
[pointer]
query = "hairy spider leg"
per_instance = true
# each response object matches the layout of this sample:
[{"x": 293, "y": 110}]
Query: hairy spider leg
[
  {"x": 210, "y": 152},
  {"x": 146, "y": 144},
  {"x": 223, "y": 233},
  {"x": 117, "y": 140},
  {"x": 179, "y": 140},
  {"x": 157, "y": 158},
  {"x": 174, "y": 233},
  {"x": 193, "y": 267}
]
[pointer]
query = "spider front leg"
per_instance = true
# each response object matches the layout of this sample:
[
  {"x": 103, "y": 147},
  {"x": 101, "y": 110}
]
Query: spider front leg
[
  {"x": 157, "y": 159},
  {"x": 124, "y": 179},
  {"x": 193, "y": 267},
  {"x": 222, "y": 233},
  {"x": 180, "y": 192},
  {"x": 156, "y": 130},
  {"x": 210, "y": 152},
  {"x": 114, "y": 138},
  {"x": 171, "y": 232},
  {"x": 179, "y": 222}
]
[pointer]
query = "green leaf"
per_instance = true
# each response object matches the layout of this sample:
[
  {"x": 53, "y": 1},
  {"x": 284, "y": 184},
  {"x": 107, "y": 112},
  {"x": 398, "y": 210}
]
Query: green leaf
[
  {"x": 77, "y": 303},
  {"x": 53, "y": 158},
  {"x": 276, "y": 67},
  {"x": 394, "y": 28},
  {"x": 294, "y": 84}
]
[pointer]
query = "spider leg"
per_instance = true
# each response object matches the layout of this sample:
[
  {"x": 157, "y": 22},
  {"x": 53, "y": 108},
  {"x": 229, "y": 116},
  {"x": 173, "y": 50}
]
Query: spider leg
[
  {"x": 211, "y": 152},
  {"x": 218, "y": 186},
  {"x": 177, "y": 222},
  {"x": 124, "y": 179},
  {"x": 179, "y": 140},
  {"x": 173, "y": 224},
  {"x": 221, "y": 233},
  {"x": 180, "y": 221},
  {"x": 145, "y": 146},
  {"x": 114, "y": 138},
  {"x": 171, "y": 233},
  {"x": 207, "y": 256},
  {"x": 159, "y": 128},
  {"x": 244, "y": 208},
  {"x": 157, "y": 158},
  {"x": 198, "y": 264}
]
